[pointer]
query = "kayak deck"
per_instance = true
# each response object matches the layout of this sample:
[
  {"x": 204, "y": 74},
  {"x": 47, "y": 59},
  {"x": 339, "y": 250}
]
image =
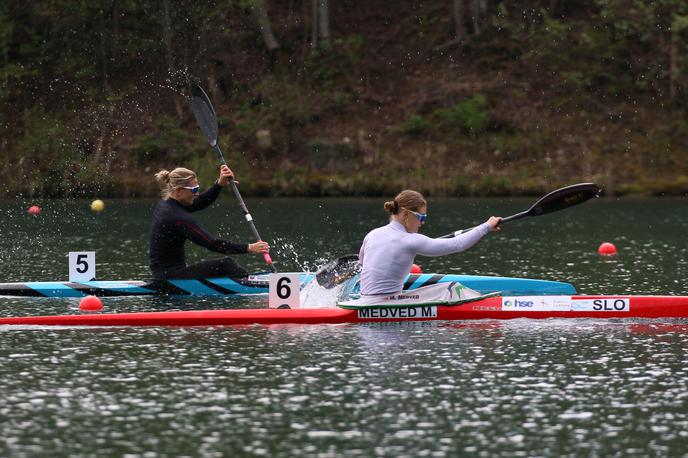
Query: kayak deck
[{"x": 499, "y": 308}]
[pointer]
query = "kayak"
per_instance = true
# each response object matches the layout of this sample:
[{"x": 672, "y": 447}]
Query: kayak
[
  {"x": 496, "y": 308},
  {"x": 258, "y": 284}
]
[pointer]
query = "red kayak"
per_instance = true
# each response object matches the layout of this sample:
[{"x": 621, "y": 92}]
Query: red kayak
[{"x": 499, "y": 308}]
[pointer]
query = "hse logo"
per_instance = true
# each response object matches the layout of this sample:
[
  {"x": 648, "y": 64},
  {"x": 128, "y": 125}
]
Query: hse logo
[
  {"x": 517, "y": 303},
  {"x": 537, "y": 303}
]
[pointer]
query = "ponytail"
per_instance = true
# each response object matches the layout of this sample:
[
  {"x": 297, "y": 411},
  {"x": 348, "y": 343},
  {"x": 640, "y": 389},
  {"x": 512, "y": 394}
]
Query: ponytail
[{"x": 408, "y": 199}]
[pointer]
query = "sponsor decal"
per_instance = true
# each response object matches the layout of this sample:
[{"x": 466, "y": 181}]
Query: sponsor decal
[
  {"x": 537, "y": 303},
  {"x": 393, "y": 313},
  {"x": 490, "y": 308},
  {"x": 613, "y": 304}
]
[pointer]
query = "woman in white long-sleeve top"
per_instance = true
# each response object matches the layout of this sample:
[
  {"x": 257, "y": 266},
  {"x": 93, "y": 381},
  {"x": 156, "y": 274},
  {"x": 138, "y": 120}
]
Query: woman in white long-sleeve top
[{"x": 388, "y": 252}]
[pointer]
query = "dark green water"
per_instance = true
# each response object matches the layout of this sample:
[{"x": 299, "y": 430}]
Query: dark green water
[{"x": 513, "y": 388}]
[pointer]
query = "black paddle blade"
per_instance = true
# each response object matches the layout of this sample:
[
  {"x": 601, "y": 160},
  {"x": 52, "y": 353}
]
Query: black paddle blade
[
  {"x": 338, "y": 271},
  {"x": 204, "y": 113},
  {"x": 564, "y": 198}
]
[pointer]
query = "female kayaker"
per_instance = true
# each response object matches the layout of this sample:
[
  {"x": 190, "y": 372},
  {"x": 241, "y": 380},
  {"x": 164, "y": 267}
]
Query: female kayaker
[
  {"x": 387, "y": 252},
  {"x": 173, "y": 225}
]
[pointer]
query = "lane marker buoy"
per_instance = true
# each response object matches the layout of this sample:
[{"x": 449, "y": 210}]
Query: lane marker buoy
[
  {"x": 97, "y": 206},
  {"x": 91, "y": 304},
  {"x": 607, "y": 249}
]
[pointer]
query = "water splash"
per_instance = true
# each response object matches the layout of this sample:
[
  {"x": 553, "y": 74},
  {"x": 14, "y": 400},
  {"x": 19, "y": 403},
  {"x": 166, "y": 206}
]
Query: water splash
[{"x": 315, "y": 296}]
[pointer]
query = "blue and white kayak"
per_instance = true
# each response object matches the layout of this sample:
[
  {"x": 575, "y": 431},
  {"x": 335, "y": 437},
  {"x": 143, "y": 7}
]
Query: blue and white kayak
[{"x": 258, "y": 284}]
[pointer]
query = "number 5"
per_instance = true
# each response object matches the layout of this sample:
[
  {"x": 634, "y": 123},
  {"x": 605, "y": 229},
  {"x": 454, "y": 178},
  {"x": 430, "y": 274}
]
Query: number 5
[{"x": 82, "y": 265}]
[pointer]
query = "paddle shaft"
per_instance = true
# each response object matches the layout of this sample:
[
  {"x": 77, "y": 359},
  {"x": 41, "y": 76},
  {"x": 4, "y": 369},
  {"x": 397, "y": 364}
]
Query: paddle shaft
[
  {"x": 207, "y": 120},
  {"x": 242, "y": 205},
  {"x": 504, "y": 220},
  {"x": 556, "y": 200}
]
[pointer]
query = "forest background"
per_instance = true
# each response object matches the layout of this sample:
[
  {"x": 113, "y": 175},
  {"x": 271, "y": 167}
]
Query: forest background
[{"x": 346, "y": 97}]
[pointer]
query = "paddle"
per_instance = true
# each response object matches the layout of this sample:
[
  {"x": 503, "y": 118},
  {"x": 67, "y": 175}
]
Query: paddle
[
  {"x": 207, "y": 121},
  {"x": 337, "y": 271},
  {"x": 559, "y": 199}
]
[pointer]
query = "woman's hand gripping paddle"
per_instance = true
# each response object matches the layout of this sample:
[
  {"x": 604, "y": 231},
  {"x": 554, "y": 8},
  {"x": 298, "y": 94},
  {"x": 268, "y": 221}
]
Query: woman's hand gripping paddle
[
  {"x": 207, "y": 121},
  {"x": 559, "y": 199}
]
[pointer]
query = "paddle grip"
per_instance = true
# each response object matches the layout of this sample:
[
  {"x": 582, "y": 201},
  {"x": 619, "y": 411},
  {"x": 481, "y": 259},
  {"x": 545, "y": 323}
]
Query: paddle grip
[
  {"x": 268, "y": 261},
  {"x": 514, "y": 217}
]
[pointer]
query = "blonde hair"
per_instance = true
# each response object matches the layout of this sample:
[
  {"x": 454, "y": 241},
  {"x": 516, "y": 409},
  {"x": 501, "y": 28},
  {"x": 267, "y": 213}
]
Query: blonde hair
[
  {"x": 174, "y": 179},
  {"x": 408, "y": 199}
]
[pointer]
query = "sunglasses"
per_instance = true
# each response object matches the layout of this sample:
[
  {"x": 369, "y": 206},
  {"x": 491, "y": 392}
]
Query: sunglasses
[
  {"x": 421, "y": 216},
  {"x": 193, "y": 189}
]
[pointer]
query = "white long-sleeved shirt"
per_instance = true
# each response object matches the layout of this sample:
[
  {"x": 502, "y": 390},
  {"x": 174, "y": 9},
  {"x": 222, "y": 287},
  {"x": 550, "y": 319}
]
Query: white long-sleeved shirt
[{"x": 388, "y": 252}]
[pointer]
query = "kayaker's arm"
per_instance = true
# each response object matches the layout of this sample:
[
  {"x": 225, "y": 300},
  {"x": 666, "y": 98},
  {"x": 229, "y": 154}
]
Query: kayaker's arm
[
  {"x": 427, "y": 246},
  {"x": 205, "y": 199},
  {"x": 201, "y": 237}
]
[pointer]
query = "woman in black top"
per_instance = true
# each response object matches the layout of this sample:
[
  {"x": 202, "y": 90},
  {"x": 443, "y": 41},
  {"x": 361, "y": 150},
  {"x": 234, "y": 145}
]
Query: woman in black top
[{"x": 173, "y": 225}]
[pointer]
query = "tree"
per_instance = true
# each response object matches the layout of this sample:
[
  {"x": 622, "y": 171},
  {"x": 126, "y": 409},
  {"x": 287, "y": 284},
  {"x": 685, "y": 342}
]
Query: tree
[
  {"x": 321, "y": 22},
  {"x": 261, "y": 14}
]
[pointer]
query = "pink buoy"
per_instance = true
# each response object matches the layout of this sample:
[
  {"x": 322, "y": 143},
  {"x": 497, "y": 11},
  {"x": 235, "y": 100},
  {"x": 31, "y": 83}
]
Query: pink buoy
[
  {"x": 607, "y": 249},
  {"x": 415, "y": 269},
  {"x": 90, "y": 304},
  {"x": 34, "y": 210}
]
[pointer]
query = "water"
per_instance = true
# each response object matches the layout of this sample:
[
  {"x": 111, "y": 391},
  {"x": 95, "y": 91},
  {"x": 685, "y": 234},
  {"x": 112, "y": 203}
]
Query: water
[{"x": 486, "y": 388}]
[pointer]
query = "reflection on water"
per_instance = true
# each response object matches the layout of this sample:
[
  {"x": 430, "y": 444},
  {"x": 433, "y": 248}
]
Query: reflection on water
[
  {"x": 516, "y": 387},
  {"x": 506, "y": 388}
]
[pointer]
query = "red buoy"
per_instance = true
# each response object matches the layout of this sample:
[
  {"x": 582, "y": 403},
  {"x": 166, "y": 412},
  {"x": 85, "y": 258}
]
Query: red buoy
[
  {"x": 91, "y": 304},
  {"x": 415, "y": 269},
  {"x": 34, "y": 210},
  {"x": 607, "y": 249}
]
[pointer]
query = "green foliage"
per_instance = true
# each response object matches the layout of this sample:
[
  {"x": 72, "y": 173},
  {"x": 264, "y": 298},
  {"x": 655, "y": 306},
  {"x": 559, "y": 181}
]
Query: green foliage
[
  {"x": 279, "y": 103},
  {"x": 612, "y": 56},
  {"x": 416, "y": 125},
  {"x": 51, "y": 164},
  {"x": 167, "y": 142},
  {"x": 341, "y": 101},
  {"x": 333, "y": 59},
  {"x": 470, "y": 115},
  {"x": 326, "y": 155},
  {"x": 45, "y": 137}
]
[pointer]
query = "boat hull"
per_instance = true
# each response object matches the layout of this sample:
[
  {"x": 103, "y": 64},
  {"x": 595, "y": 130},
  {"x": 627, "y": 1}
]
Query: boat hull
[
  {"x": 497, "y": 308},
  {"x": 258, "y": 284}
]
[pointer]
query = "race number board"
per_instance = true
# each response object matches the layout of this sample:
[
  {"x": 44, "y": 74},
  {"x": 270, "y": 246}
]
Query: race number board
[
  {"x": 82, "y": 266},
  {"x": 284, "y": 291}
]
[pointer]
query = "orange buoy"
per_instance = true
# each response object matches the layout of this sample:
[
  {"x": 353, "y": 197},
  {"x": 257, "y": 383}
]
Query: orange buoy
[
  {"x": 415, "y": 269},
  {"x": 90, "y": 304},
  {"x": 34, "y": 210},
  {"x": 607, "y": 249}
]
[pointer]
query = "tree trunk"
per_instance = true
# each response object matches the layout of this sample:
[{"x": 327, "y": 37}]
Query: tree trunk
[
  {"x": 103, "y": 125},
  {"x": 459, "y": 30},
  {"x": 103, "y": 54},
  {"x": 324, "y": 20},
  {"x": 314, "y": 26},
  {"x": 475, "y": 13},
  {"x": 482, "y": 7},
  {"x": 673, "y": 64},
  {"x": 169, "y": 56},
  {"x": 261, "y": 13}
]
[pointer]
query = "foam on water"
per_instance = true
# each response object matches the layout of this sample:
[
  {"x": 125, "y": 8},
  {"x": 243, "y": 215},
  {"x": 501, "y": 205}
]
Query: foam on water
[{"x": 315, "y": 296}]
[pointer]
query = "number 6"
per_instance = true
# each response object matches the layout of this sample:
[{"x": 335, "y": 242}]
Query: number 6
[{"x": 283, "y": 291}]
